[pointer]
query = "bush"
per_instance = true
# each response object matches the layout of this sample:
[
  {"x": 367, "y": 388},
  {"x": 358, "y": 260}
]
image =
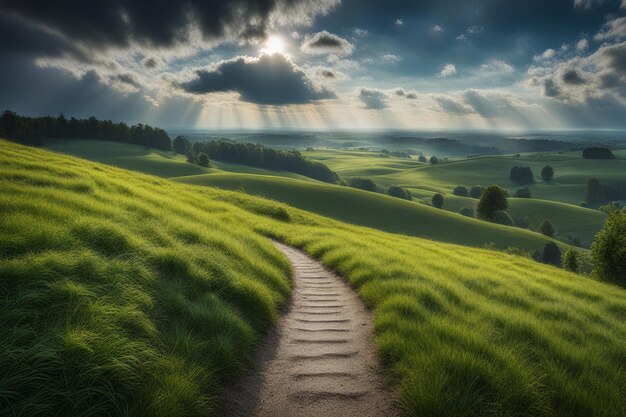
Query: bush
[
  {"x": 583, "y": 204},
  {"x": 551, "y": 254},
  {"x": 522, "y": 222},
  {"x": 202, "y": 159},
  {"x": 181, "y": 145},
  {"x": 598, "y": 153},
  {"x": 467, "y": 211},
  {"x": 547, "y": 173},
  {"x": 569, "y": 260},
  {"x": 522, "y": 193},
  {"x": 521, "y": 175},
  {"x": 422, "y": 158},
  {"x": 612, "y": 206},
  {"x": 399, "y": 192},
  {"x": 502, "y": 217},
  {"x": 609, "y": 249},
  {"x": 460, "y": 191},
  {"x": 547, "y": 228},
  {"x": 492, "y": 200},
  {"x": 434, "y": 160},
  {"x": 476, "y": 191},
  {"x": 362, "y": 184},
  {"x": 437, "y": 200}
]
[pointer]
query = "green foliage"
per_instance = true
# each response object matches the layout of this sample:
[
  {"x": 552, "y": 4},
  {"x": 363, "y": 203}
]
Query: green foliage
[
  {"x": 583, "y": 204},
  {"x": 434, "y": 160},
  {"x": 476, "y": 191},
  {"x": 598, "y": 153},
  {"x": 362, "y": 184},
  {"x": 522, "y": 222},
  {"x": 460, "y": 191},
  {"x": 522, "y": 193},
  {"x": 203, "y": 159},
  {"x": 437, "y": 200},
  {"x": 399, "y": 192},
  {"x": 422, "y": 158},
  {"x": 181, "y": 145},
  {"x": 608, "y": 208},
  {"x": 547, "y": 173},
  {"x": 502, "y": 217},
  {"x": 609, "y": 249},
  {"x": 521, "y": 175},
  {"x": 493, "y": 199},
  {"x": 547, "y": 228},
  {"x": 467, "y": 211},
  {"x": 569, "y": 260},
  {"x": 551, "y": 254}
]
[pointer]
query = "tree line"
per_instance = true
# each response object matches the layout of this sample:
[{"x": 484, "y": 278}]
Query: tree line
[
  {"x": 258, "y": 156},
  {"x": 32, "y": 130}
]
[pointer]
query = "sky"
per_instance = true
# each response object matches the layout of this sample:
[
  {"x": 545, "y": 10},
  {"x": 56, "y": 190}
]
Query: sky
[{"x": 319, "y": 64}]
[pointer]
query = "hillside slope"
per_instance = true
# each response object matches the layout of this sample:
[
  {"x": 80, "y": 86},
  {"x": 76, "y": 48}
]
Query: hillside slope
[{"x": 126, "y": 294}]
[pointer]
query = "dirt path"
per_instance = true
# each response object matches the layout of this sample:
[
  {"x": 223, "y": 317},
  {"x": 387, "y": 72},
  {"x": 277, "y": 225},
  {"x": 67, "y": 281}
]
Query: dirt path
[{"x": 320, "y": 360}]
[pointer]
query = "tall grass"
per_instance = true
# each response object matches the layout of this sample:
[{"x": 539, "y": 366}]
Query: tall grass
[{"x": 125, "y": 294}]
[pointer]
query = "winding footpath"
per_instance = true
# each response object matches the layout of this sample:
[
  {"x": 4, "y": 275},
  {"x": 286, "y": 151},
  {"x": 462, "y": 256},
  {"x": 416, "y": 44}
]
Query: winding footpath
[{"x": 320, "y": 360}]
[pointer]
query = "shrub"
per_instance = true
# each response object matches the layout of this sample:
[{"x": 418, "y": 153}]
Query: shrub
[
  {"x": 551, "y": 254},
  {"x": 437, "y": 200},
  {"x": 310, "y": 149},
  {"x": 476, "y": 191},
  {"x": 609, "y": 249},
  {"x": 569, "y": 260},
  {"x": 180, "y": 145},
  {"x": 521, "y": 175},
  {"x": 422, "y": 158},
  {"x": 203, "y": 159},
  {"x": 547, "y": 228},
  {"x": 434, "y": 160},
  {"x": 460, "y": 191},
  {"x": 612, "y": 206},
  {"x": 399, "y": 192},
  {"x": 595, "y": 191},
  {"x": 583, "y": 204},
  {"x": 522, "y": 193},
  {"x": 598, "y": 153},
  {"x": 467, "y": 211},
  {"x": 492, "y": 200},
  {"x": 522, "y": 222},
  {"x": 547, "y": 173},
  {"x": 502, "y": 217},
  {"x": 362, "y": 184}
]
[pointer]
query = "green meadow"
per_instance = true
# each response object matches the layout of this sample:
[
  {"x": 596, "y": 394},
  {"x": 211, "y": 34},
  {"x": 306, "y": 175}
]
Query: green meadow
[{"x": 130, "y": 294}]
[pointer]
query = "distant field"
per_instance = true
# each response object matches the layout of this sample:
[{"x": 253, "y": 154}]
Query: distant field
[{"x": 128, "y": 294}]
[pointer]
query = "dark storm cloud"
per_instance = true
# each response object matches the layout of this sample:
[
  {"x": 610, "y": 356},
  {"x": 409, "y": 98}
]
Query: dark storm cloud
[
  {"x": 326, "y": 73},
  {"x": 373, "y": 99},
  {"x": 326, "y": 43},
  {"x": 269, "y": 79},
  {"x": 572, "y": 77},
  {"x": 119, "y": 23}
]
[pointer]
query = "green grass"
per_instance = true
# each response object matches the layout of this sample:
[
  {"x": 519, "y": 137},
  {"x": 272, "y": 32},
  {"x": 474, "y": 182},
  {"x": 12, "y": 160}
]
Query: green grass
[
  {"x": 374, "y": 210},
  {"x": 126, "y": 294}
]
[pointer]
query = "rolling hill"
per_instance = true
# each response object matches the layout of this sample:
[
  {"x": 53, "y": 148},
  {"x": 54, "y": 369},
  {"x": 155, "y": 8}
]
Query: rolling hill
[{"x": 125, "y": 293}]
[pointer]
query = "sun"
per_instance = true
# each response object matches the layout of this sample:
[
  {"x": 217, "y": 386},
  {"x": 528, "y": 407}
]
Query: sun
[{"x": 274, "y": 44}]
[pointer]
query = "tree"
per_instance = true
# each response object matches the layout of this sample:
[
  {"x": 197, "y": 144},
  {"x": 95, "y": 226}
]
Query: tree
[
  {"x": 399, "y": 192},
  {"x": 434, "y": 160},
  {"x": 598, "y": 153},
  {"x": 522, "y": 222},
  {"x": 460, "y": 191},
  {"x": 547, "y": 228},
  {"x": 595, "y": 192},
  {"x": 569, "y": 260},
  {"x": 502, "y": 217},
  {"x": 551, "y": 254},
  {"x": 203, "y": 159},
  {"x": 583, "y": 204},
  {"x": 522, "y": 193},
  {"x": 467, "y": 211},
  {"x": 521, "y": 175},
  {"x": 180, "y": 145},
  {"x": 492, "y": 200},
  {"x": 547, "y": 173},
  {"x": 362, "y": 183},
  {"x": 437, "y": 200},
  {"x": 476, "y": 191},
  {"x": 608, "y": 249},
  {"x": 422, "y": 158}
]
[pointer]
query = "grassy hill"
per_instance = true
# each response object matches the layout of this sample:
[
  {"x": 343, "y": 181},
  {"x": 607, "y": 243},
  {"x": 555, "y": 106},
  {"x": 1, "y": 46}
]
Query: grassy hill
[
  {"x": 127, "y": 294},
  {"x": 342, "y": 203}
]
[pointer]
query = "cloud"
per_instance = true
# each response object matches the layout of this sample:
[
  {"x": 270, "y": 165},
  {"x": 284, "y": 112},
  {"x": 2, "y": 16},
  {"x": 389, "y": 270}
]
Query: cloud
[
  {"x": 437, "y": 29},
  {"x": 326, "y": 43},
  {"x": 360, "y": 33},
  {"x": 268, "y": 80},
  {"x": 452, "y": 106},
  {"x": 551, "y": 88},
  {"x": 373, "y": 99},
  {"x": 496, "y": 66},
  {"x": 545, "y": 55},
  {"x": 582, "y": 44},
  {"x": 572, "y": 76},
  {"x": 612, "y": 30},
  {"x": 399, "y": 22},
  {"x": 121, "y": 23},
  {"x": 448, "y": 70},
  {"x": 408, "y": 95},
  {"x": 392, "y": 58}
]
